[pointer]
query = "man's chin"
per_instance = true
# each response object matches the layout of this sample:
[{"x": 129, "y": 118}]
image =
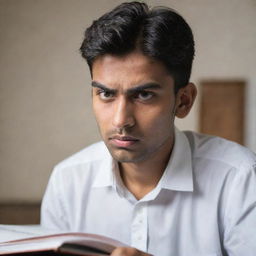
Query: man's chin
[
  {"x": 123, "y": 158},
  {"x": 127, "y": 156}
]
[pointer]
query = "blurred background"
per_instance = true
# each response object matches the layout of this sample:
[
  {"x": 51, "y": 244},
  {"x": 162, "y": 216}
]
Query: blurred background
[{"x": 45, "y": 101}]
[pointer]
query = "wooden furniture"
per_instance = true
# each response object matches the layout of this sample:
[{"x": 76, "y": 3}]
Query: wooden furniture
[
  {"x": 222, "y": 109},
  {"x": 19, "y": 213}
]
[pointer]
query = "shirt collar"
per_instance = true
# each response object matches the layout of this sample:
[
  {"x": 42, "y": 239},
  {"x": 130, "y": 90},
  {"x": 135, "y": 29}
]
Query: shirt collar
[
  {"x": 177, "y": 176},
  {"x": 178, "y": 172},
  {"x": 105, "y": 176},
  {"x": 109, "y": 176}
]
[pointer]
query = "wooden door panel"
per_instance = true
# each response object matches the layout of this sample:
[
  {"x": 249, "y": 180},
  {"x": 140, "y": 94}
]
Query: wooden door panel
[{"x": 222, "y": 109}]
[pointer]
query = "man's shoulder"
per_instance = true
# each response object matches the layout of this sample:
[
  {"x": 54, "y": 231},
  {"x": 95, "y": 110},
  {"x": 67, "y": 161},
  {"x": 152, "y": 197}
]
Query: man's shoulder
[
  {"x": 79, "y": 172},
  {"x": 218, "y": 149},
  {"x": 91, "y": 154}
]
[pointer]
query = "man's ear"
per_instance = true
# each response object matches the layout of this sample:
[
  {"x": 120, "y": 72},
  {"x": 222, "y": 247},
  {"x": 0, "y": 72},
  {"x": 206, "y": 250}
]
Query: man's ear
[{"x": 185, "y": 98}]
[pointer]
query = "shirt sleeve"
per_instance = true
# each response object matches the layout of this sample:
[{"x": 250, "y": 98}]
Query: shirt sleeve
[
  {"x": 240, "y": 233},
  {"x": 53, "y": 214}
]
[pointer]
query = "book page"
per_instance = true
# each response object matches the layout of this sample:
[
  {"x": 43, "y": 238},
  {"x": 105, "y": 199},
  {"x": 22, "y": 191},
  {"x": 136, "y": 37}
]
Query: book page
[
  {"x": 14, "y": 232},
  {"x": 69, "y": 242}
]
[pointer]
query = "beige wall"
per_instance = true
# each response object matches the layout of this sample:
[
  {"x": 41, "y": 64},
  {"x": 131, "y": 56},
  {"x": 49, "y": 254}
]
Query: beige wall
[{"x": 45, "y": 101}]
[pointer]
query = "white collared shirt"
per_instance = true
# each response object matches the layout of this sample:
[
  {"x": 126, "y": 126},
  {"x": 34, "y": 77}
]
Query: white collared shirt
[{"x": 204, "y": 204}]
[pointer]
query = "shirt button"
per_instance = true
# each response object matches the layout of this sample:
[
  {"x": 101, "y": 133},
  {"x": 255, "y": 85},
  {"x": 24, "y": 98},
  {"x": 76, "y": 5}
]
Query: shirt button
[{"x": 139, "y": 238}]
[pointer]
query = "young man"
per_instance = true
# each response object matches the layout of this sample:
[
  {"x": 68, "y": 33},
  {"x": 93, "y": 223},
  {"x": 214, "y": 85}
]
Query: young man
[{"x": 149, "y": 185}]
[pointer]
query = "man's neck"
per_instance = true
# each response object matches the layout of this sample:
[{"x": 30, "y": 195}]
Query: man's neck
[{"x": 142, "y": 177}]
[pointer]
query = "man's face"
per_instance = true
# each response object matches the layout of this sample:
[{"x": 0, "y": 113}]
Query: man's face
[{"x": 134, "y": 102}]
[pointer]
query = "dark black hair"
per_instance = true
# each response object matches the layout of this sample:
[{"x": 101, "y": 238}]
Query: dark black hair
[{"x": 160, "y": 33}]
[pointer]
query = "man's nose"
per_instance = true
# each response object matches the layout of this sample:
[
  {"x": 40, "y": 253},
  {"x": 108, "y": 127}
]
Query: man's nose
[{"x": 123, "y": 116}]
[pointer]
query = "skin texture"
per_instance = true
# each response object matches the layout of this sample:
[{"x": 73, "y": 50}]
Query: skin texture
[
  {"x": 123, "y": 251},
  {"x": 135, "y": 107},
  {"x": 149, "y": 121}
]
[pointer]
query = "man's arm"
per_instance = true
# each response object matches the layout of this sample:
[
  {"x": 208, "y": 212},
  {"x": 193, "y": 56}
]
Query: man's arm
[
  {"x": 53, "y": 214},
  {"x": 240, "y": 217}
]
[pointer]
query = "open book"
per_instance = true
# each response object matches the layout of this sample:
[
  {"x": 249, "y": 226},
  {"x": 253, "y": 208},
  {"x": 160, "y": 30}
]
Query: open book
[{"x": 56, "y": 244}]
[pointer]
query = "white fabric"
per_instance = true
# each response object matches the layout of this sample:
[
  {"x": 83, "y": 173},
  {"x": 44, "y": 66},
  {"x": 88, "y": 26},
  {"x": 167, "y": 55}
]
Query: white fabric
[
  {"x": 14, "y": 232},
  {"x": 204, "y": 204}
]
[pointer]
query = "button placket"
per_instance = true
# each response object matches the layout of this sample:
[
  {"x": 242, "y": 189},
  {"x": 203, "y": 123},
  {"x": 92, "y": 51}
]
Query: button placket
[{"x": 139, "y": 227}]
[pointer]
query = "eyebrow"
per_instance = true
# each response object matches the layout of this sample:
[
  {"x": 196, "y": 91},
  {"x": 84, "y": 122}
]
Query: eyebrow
[
  {"x": 103, "y": 87},
  {"x": 136, "y": 89}
]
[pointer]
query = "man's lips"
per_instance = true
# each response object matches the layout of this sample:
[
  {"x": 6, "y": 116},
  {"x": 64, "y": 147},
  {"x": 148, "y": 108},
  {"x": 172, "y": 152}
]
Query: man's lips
[{"x": 123, "y": 141}]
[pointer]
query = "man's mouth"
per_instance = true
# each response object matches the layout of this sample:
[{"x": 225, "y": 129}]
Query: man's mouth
[{"x": 123, "y": 141}]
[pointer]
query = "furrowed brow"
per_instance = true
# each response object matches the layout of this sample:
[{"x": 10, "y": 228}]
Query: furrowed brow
[
  {"x": 103, "y": 87},
  {"x": 143, "y": 87}
]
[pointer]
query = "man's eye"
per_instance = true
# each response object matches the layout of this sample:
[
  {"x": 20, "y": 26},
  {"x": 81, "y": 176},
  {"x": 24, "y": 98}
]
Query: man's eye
[
  {"x": 105, "y": 95},
  {"x": 144, "y": 96}
]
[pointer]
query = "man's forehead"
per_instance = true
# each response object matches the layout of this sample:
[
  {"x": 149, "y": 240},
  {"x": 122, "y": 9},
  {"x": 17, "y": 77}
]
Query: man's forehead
[
  {"x": 134, "y": 63},
  {"x": 129, "y": 58},
  {"x": 129, "y": 71}
]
